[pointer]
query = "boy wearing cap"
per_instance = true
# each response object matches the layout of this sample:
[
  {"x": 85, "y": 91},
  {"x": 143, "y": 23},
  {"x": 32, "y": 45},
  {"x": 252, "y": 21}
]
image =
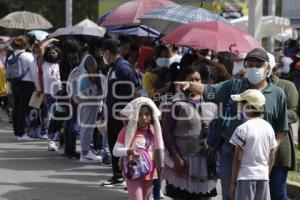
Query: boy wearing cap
[{"x": 254, "y": 143}]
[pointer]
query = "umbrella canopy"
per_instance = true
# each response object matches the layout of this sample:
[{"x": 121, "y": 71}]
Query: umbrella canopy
[
  {"x": 138, "y": 30},
  {"x": 216, "y": 36},
  {"x": 128, "y": 13},
  {"x": 25, "y": 20},
  {"x": 39, "y": 35},
  {"x": 169, "y": 18},
  {"x": 87, "y": 22},
  {"x": 80, "y": 30}
]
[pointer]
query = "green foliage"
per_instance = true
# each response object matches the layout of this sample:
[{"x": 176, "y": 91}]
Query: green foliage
[
  {"x": 295, "y": 175},
  {"x": 52, "y": 10}
]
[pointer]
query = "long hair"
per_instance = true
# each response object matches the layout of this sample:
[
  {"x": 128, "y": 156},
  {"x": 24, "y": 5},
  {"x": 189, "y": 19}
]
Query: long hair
[{"x": 50, "y": 58}]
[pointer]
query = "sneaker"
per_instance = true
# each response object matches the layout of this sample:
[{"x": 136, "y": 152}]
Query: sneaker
[
  {"x": 44, "y": 137},
  {"x": 113, "y": 182},
  {"x": 52, "y": 146},
  {"x": 61, "y": 149},
  {"x": 90, "y": 158},
  {"x": 25, "y": 137}
]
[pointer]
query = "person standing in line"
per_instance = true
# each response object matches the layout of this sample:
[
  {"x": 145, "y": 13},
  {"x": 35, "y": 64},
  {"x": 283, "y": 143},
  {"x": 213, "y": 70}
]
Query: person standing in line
[
  {"x": 120, "y": 91},
  {"x": 23, "y": 89},
  {"x": 184, "y": 133},
  {"x": 88, "y": 105},
  {"x": 52, "y": 84},
  {"x": 286, "y": 156},
  {"x": 140, "y": 139},
  {"x": 255, "y": 145}
]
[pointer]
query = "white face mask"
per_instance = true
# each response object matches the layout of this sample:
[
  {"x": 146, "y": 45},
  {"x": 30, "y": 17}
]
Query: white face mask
[
  {"x": 105, "y": 60},
  {"x": 163, "y": 62},
  {"x": 255, "y": 75}
]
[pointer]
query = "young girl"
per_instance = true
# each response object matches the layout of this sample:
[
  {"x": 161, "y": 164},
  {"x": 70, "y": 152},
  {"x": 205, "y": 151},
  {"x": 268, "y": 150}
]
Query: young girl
[{"x": 143, "y": 133}]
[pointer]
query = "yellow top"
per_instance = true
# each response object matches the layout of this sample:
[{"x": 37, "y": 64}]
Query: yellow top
[{"x": 149, "y": 81}]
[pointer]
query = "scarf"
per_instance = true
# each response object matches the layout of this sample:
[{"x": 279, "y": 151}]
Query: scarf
[{"x": 131, "y": 111}]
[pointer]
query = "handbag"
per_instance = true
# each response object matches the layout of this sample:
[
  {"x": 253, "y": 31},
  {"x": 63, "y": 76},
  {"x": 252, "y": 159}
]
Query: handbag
[{"x": 217, "y": 126}]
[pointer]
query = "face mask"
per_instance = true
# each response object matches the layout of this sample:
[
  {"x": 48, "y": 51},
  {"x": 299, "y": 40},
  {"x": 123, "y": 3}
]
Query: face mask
[
  {"x": 105, "y": 60},
  {"x": 255, "y": 75},
  {"x": 162, "y": 62}
]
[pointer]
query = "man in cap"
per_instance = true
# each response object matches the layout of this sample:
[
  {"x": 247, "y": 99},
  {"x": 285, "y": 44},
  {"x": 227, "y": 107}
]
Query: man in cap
[
  {"x": 275, "y": 110},
  {"x": 120, "y": 92}
]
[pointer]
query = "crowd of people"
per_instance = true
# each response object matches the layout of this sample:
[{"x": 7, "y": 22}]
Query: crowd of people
[{"x": 158, "y": 112}]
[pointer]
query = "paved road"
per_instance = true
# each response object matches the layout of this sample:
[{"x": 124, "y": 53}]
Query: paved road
[{"x": 29, "y": 172}]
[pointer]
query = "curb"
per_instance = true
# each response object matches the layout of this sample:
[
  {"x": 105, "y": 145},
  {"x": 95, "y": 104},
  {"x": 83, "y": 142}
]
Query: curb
[{"x": 293, "y": 189}]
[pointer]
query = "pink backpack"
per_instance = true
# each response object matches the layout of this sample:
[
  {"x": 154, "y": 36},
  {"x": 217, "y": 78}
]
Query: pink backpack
[{"x": 136, "y": 168}]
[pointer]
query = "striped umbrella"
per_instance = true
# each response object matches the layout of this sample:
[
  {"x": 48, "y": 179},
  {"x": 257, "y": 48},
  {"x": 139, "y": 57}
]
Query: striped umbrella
[
  {"x": 169, "y": 18},
  {"x": 25, "y": 20},
  {"x": 129, "y": 12}
]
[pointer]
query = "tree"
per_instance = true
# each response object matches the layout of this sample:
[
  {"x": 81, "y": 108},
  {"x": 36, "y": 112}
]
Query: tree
[{"x": 53, "y": 11}]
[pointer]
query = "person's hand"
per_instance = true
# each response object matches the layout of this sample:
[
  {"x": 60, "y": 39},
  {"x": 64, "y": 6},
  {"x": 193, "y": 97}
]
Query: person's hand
[
  {"x": 231, "y": 192},
  {"x": 134, "y": 153},
  {"x": 39, "y": 93},
  {"x": 49, "y": 41},
  {"x": 179, "y": 166},
  {"x": 182, "y": 86},
  {"x": 205, "y": 126}
]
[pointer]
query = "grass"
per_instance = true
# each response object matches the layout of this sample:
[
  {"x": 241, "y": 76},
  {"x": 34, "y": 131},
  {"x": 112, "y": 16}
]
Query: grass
[
  {"x": 107, "y": 5},
  {"x": 295, "y": 175}
]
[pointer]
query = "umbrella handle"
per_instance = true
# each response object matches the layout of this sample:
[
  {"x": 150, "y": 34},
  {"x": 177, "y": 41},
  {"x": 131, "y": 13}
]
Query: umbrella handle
[{"x": 230, "y": 47}]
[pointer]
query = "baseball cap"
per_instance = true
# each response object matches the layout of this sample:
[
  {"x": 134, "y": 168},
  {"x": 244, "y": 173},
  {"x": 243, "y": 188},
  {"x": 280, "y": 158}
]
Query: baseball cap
[
  {"x": 111, "y": 44},
  {"x": 252, "y": 96},
  {"x": 258, "y": 54}
]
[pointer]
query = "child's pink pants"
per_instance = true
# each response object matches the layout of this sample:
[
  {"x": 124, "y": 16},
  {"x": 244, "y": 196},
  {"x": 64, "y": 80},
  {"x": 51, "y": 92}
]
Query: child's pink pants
[{"x": 139, "y": 189}]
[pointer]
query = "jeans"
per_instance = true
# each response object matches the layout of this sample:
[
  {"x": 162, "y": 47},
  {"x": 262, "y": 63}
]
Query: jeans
[
  {"x": 49, "y": 100},
  {"x": 88, "y": 116},
  {"x": 105, "y": 147},
  {"x": 70, "y": 131},
  {"x": 278, "y": 178},
  {"x": 156, "y": 189},
  {"x": 226, "y": 158}
]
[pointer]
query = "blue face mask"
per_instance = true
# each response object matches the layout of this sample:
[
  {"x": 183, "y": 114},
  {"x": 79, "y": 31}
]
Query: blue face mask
[
  {"x": 255, "y": 75},
  {"x": 162, "y": 62}
]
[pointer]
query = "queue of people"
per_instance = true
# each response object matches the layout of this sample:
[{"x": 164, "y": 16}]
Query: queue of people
[{"x": 157, "y": 112}]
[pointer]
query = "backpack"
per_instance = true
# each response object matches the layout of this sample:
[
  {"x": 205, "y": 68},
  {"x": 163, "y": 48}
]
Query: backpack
[
  {"x": 136, "y": 168},
  {"x": 78, "y": 81},
  {"x": 14, "y": 68}
]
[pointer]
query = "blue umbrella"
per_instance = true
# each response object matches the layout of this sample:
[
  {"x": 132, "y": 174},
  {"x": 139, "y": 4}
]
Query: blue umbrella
[
  {"x": 142, "y": 31},
  {"x": 39, "y": 35},
  {"x": 169, "y": 18}
]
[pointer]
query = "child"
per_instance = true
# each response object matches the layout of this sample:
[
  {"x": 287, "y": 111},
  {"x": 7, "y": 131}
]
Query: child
[
  {"x": 255, "y": 144},
  {"x": 142, "y": 134}
]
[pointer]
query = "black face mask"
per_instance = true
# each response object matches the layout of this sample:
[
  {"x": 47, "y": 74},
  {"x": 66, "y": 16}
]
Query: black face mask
[{"x": 52, "y": 59}]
